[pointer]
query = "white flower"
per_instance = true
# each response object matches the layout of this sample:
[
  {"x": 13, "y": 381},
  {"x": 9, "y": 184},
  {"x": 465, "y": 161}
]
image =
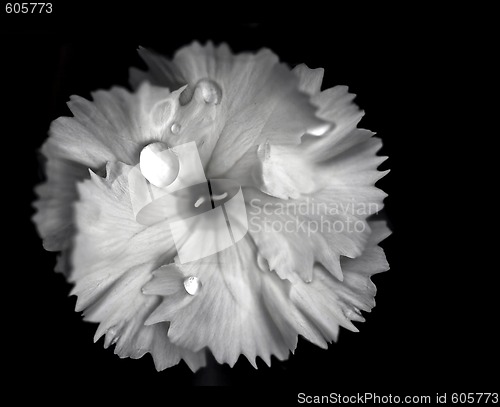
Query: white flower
[{"x": 307, "y": 174}]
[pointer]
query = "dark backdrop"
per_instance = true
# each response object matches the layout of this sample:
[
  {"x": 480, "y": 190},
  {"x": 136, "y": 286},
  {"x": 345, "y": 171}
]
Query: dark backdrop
[{"x": 423, "y": 334}]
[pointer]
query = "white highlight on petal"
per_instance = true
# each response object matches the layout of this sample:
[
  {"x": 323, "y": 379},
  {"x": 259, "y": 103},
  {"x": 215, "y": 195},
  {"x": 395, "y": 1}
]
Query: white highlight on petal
[
  {"x": 159, "y": 164},
  {"x": 192, "y": 284},
  {"x": 319, "y": 130}
]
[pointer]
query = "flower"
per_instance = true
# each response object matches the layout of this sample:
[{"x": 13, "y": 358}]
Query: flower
[{"x": 306, "y": 174}]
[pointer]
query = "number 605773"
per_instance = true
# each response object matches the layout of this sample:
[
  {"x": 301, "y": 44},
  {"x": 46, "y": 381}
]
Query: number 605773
[{"x": 28, "y": 8}]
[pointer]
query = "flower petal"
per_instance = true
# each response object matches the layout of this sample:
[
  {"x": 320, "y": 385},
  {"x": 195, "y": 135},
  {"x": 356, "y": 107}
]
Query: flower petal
[
  {"x": 260, "y": 99},
  {"x": 285, "y": 172},
  {"x": 292, "y": 235},
  {"x": 335, "y": 106},
  {"x": 113, "y": 258},
  {"x": 316, "y": 309},
  {"x": 228, "y": 313},
  {"x": 309, "y": 79},
  {"x": 54, "y": 215},
  {"x": 162, "y": 71},
  {"x": 114, "y": 127}
]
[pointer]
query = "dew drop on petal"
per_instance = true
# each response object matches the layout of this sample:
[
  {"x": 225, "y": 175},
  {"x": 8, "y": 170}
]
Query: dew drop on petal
[
  {"x": 192, "y": 285},
  {"x": 210, "y": 91},
  {"x": 159, "y": 164},
  {"x": 320, "y": 130},
  {"x": 175, "y": 128}
]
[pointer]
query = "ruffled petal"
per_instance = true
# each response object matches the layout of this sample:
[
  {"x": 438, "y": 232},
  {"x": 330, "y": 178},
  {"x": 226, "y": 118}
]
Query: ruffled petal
[
  {"x": 293, "y": 235},
  {"x": 54, "y": 213},
  {"x": 285, "y": 172},
  {"x": 317, "y": 309},
  {"x": 228, "y": 313},
  {"x": 162, "y": 72},
  {"x": 114, "y": 127},
  {"x": 310, "y": 80},
  {"x": 113, "y": 258},
  {"x": 335, "y": 105},
  {"x": 258, "y": 99},
  {"x": 322, "y": 225}
]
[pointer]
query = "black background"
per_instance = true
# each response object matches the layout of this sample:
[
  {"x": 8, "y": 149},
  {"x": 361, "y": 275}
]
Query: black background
[{"x": 430, "y": 330}]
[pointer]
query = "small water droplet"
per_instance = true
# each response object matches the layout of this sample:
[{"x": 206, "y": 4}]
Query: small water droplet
[
  {"x": 192, "y": 285},
  {"x": 175, "y": 128}
]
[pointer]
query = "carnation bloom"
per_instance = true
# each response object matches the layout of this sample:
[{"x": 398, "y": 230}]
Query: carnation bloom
[{"x": 306, "y": 174}]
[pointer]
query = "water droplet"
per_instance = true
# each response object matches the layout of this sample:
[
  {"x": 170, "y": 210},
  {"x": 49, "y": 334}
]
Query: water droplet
[
  {"x": 192, "y": 285},
  {"x": 205, "y": 90},
  {"x": 175, "y": 128},
  {"x": 210, "y": 91},
  {"x": 159, "y": 164}
]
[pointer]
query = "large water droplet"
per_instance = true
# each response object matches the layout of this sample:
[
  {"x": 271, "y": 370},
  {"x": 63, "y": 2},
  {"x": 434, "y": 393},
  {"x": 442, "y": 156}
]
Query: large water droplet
[
  {"x": 192, "y": 285},
  {"x": 210, "y": 91},
  {"x": 205, "y": 90},
  {"x": 159, "y": 164},
  {"x": 175, "y": 128}
]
